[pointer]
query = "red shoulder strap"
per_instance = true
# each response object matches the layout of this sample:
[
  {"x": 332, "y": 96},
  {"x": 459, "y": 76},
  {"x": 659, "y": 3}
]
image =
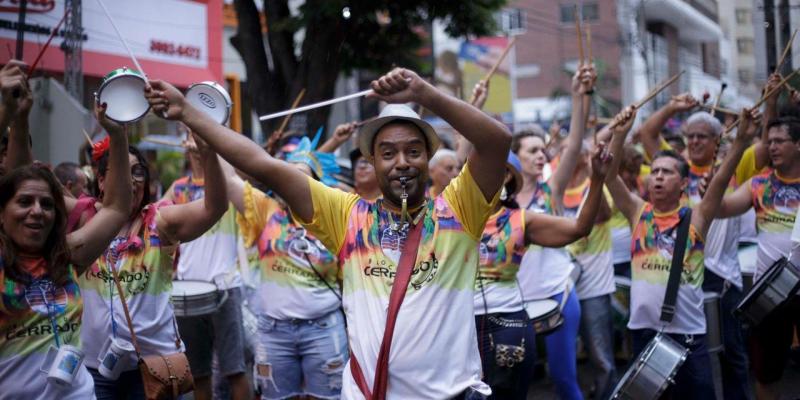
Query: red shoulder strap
[
  {"x": 85, "y": 204},
  {"x": 403, "y": 276}
]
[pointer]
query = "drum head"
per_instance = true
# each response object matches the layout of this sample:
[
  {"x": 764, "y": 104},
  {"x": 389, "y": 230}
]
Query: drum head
[
  {"x": 192, "y": 288},
  {"x": 124, "y": 94},
  {"x": 540, "y": 308},
  {"x": 212, "y": 99}
]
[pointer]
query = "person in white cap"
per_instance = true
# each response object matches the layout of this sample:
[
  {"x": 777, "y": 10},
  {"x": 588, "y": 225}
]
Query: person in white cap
[{"x": 433, "y": 353}]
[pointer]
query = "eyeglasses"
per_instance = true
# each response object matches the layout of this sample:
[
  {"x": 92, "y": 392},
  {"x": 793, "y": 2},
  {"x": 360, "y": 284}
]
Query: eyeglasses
[
  {"x": 778, "y": 142},
  {"x": 138, "y": 173},
  {"x": 697, "y": 136}
]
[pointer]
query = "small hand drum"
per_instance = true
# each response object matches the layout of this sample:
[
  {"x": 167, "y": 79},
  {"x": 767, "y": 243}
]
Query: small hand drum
[
  {"x": 211, "y": 98},
  {"x": 123, "y": 90}
]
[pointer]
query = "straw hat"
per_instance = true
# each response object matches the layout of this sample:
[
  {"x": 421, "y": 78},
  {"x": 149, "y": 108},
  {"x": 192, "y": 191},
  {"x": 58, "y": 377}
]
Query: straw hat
[{"x": 394, "y": 112}]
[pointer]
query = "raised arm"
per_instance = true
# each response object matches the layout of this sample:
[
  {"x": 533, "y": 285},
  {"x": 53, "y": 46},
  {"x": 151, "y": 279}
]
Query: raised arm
[
  {"x": 489, "y": 137},
  {"x": 582, "y": 81},
  {"x": 234, "y": 185},
  {"x": 463, "y": 146},
  {"x": 187, "y": 222},
  {"x": 13, "y": 80},
  {"x": 340, "y": 135},
  {"x": 91, "y": 240},
  {"x": 288, "y": 182},
  {"x": 650, "y": 131},
  {"x": 708, "y": 208},
  {"x": 551, "y": 231},
  {"x": 626, "y": 201}
]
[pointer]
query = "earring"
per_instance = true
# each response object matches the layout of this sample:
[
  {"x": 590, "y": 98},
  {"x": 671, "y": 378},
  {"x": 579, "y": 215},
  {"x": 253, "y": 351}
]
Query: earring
[{"x": 503, "y": 194}]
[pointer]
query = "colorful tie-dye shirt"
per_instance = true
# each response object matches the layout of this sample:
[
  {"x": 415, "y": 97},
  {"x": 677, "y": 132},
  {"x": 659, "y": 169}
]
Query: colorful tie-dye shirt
[
  {"x": 500, "y": 253},
  {"x": 775, "y": 200},
  {"x": 211, "y": 257},
  {"x": 722, "y": 239},
  {"x": 27, "y": 314},
  {"x": 145, "y": 267},
  {"x": 288, "y": 286},
  {"x": 654, "y": 236},
  {"x": 434, "y": 353},
  {"x": 544, "y": 270},
  {"x": 593, "y": 252}
]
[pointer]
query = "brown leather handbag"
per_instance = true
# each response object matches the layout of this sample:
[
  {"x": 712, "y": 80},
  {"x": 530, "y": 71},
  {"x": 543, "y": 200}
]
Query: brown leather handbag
[{"x": 164, "y": 376}]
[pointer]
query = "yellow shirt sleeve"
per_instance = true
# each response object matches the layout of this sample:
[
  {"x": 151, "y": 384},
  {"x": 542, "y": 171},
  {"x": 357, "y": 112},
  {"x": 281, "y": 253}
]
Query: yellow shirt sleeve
[
  {"x": 468, "y": 202},
  {"x": 257, "y": 209},
  {"x": 746, "y": 168},
  {"x": 331, "y": 213},
  {"x": 662, "y": 145}
]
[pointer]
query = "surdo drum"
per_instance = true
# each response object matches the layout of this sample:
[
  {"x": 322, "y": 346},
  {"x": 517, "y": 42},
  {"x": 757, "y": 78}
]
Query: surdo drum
[
  {"x": 123, "y": 90},
  {"x": 711, "y": 306},
  {"x": 778, "y": 284},
  {"x": 193, "y": 298},
  {"x": 211, "y": 98},
  {"x": 544, "y": 315},
  {"x": 653, "y": 371}
]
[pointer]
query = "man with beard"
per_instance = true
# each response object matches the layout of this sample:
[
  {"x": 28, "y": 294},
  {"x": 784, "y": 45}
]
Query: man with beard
[{"x": 434, "y": 353}]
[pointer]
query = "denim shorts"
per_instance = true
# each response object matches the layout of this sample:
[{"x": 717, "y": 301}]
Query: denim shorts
[{"x": 301, "y": 357}]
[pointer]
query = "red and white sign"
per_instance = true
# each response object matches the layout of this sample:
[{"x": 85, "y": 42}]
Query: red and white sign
[{"x": 175, "y": 40}]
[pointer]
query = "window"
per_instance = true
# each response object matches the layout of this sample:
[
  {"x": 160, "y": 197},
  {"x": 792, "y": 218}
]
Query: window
[
  {"x": 743, "y": 16},
  {"x": 745, "y": 46},
  {"x": 511, "y": 21},
  {"x": 745, "y": 76},
  {"x": 590, "y": 12}
]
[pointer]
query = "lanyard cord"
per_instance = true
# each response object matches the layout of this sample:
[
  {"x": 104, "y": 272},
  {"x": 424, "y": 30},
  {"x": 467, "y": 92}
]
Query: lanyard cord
[{"x": 50, "y": 314}]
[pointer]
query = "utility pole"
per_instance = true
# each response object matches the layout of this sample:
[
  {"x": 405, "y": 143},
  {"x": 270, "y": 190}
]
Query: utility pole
[
  {"x": 73, "y": 50},
  {"x": 785, "y": 34},
  {"x": 769, "y": 22},
  {"x": 23, "y": 8}
]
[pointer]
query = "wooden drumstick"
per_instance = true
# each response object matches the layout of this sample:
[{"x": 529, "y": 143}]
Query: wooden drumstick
[
  {"x": 579, "y": 37},
  {"x": 88, "y": 138},
  {"x": 294, "y": 105},
  {"x": 494, "y": 67},
  {"x": 761, "y": 101},
  {"x": 653, "y": 93},
  {"x": 589, "y": 42}
]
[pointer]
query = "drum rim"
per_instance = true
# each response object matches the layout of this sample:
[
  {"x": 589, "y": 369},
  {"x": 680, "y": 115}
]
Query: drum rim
[
  {"x": 225, "y": 96},
  {"x": 124, "y": 75},
  {"x": 759, "y": 286}
]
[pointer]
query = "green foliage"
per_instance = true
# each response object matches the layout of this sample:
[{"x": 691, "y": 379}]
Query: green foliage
[
  {"x": 169, "y": 165},
  {"x": 370, "y": 43}
]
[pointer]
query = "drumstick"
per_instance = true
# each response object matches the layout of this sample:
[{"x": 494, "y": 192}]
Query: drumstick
[
  {"x": 785, "y": 52},
  {"x": 315, "y": 105},
  {"x": 589, "y": 42},
  {"x": 579, "y": 37},
  {"x": 762, "y": 100},
  {"x": 495, "y": 66},
  {"x": 364, "y": 122},
  {"x": 121, "y": 38},
  {"x": 713, "y": 110},
  {"x": 162, "y": 142},
  {"x": 46, "y": 45},
  {"x": 719, "y": 98},
  {"x": 294, "y": 105},
  {"x": 88, "y": 138},
  {"x": 657, "y": 90}
]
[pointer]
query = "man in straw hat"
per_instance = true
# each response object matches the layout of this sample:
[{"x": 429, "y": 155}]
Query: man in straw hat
[{"x": 433, "y": 353}]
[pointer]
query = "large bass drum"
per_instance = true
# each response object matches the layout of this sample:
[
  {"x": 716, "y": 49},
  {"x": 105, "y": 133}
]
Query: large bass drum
[
  {"x": 194, "y": 298},
  {"x": 654, "y": 370},
  {"x": 778, "y": 284}
]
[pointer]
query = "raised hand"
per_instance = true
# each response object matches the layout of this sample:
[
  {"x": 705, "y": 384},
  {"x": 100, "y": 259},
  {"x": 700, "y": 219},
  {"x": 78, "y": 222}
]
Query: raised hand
[
  {"x": 480, "y": 93},
  {"x": 601, "y": 161},
  {"x": 623, "y": 121},
  {"x": 344, "y": 132},
  {"x": 398, "y": 86},
  {"x": 113, "y": 128},
  {"x": 583, "y": 80},
  {"x": 683, "y": 102},
  {"x": 14, "y": 88},
  {"x": 166, "y": 100},
  {"x": 749, "y": 123},
  {"x": 772, "y": 82}
]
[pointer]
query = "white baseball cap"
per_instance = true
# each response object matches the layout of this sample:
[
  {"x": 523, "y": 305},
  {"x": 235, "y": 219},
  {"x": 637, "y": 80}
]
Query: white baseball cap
[{"x": 395, "y": 112}]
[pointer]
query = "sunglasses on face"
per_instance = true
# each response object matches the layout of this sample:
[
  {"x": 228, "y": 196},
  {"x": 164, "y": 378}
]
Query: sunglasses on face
[{"x": 138, "y": 173}]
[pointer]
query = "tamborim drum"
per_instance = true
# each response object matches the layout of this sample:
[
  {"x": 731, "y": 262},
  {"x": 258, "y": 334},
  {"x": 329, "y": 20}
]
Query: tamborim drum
[
  {"x": 778, "y": 284},
  {"x": 193, "y": 298},
  {"x": 211, "y": 98},
  {"x": 653, "y": 372},
  {"x": 123, "y": 90},
  {"x": 711, "y": 306},
  {"x": 544, "y": 315}
]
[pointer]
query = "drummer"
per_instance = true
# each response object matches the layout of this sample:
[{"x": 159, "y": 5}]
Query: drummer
[
  {"x": 654, "y": 225},
  {"x": 40, "y": 301},
  {"x": 775, "y": 195},
  {"x": 545, "y": 272},
  {"x": 434, "y": 355},
  {"x": 723, "y": 273},
  {"x": 500, "y": 317},
  {"x": 144, "y": 250},
  {"x": 302, "y": 343},
  {"x": 213, "y": 258}
]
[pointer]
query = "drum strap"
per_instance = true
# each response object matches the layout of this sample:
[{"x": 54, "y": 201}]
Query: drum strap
[
  {"x": 408, "y": 258},
  {"x": 671, "y": 296}
]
